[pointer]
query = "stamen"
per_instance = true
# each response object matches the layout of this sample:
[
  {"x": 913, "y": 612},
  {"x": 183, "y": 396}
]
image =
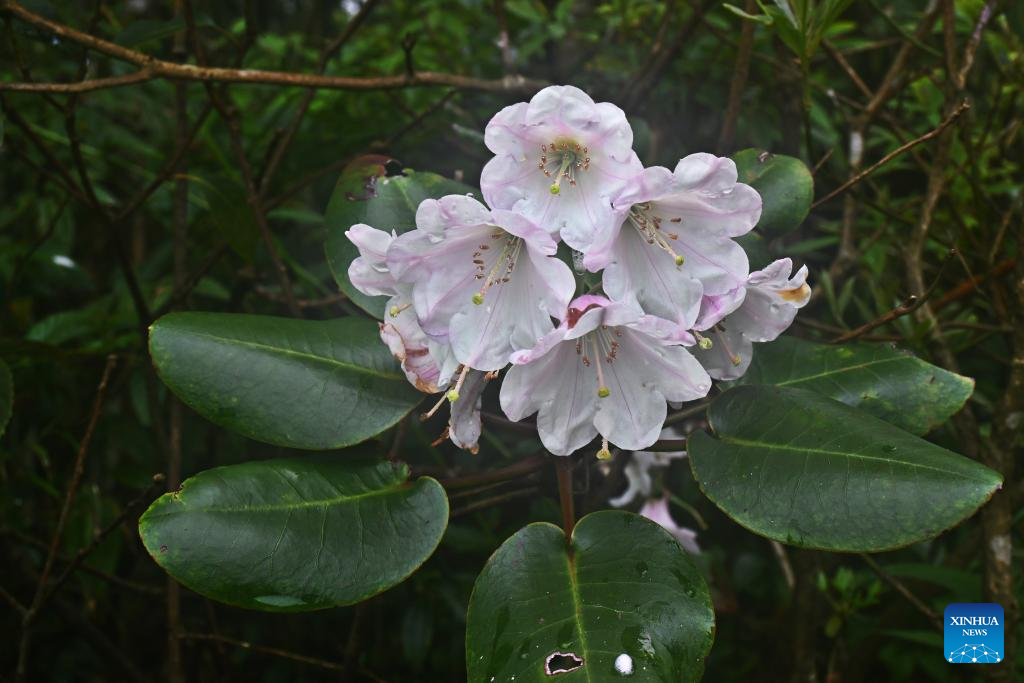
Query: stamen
[
  {"x": 566, "y": 160},
  {"x": 602, "y": 390},
  {"x": 430, "y": 413},
  {"x": 453, "y": 393},
  {"x": 702, "y": 341},
  {"x": 650, "y": 230},
  {"x": 501, "y": 270},
  {"x": 394, "y": 311},
  {"x": 604, "y": 453},
  {"x": 736, "y": 360}
]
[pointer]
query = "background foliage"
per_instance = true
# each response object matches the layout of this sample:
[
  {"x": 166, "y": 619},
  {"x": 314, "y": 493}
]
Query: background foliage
[{"x": 123, "y": 204}]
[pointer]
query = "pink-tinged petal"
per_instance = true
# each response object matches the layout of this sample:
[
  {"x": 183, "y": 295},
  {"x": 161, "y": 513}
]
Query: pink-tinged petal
[
  {"x": 730, "y": 353},
  {"x": 562, "y": 105},
  {"x": 642, "y": 377},
  {"x": 656, "y": 510},
  {"x": 512, "y": 315},
  {"x": 369, "y": 272},
  {"x": 450, "y": 212},
  {"x": 561, "y": 390},
  {"x": 372, "y": 243},
  {"x": 772, "y": 301},
  {"x": 589, "y": 311},
  {"x": 541, "y": 348},
  {"x": 520, "y": 226},
  {"x": 440, "y": 270},
  {"x": 665, "y": 331},
  {"x": 652, "y": 183},
  {"x": 648, "y": 274},
  {"x": 464, "y": 422},
  {"x": 504, "y": 132},
  {"x": 504, "y": 182},
  {"x": 713, "y": 309},
  {"x": 410, "y": 346}
]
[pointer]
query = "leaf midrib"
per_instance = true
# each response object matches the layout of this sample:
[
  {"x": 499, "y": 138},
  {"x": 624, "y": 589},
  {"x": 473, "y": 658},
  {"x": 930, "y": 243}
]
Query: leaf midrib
[
  {"x": 849, "y": 368},
  {"x": 281, "y": 507},
  {"x": 821, "y": 451},
  {"x": 299, "y": 354}
]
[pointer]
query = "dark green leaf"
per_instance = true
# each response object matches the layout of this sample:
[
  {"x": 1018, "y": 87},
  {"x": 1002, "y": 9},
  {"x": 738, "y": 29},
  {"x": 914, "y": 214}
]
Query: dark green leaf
[
  {"x": 626, "y": 589},
  {"x": 785, "y": 185},
  {"x": 364, "y": 195},
  {"x": 296, "y": 535},
  {"x": 6, "y": 396},
  {"x": 876, "y": 378},
  {"x": 800, "y": 468},
  {"x": 298, "y": 383},
  {"x": 229, "y": 215}
]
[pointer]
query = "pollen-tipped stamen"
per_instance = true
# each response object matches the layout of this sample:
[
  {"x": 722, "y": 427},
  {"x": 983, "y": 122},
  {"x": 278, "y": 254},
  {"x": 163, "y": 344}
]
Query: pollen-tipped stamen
[
  {"x": 453, "y": 393},
  {"x": 567, "y": 160},
  {"x": 702, "y": 341},
  {"x": 605, "y": 453},
  {"x": 650, "y": 229},
  {"x": 602, "y": 389},
  {"x": 395, "y": 311},
  {"x": 736, "y": 360},
  {"x": 501, "y": 271}
]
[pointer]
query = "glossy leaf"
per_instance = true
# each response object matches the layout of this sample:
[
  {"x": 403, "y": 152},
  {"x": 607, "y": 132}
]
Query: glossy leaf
[
  {"x": 876, "y": 378},
  {"x": 296, "y": 535},
  {"x": 800, "y": 468},
  {"x": 627, "y": 589},
  {"x": 298, "y": 383},
  {"x": 785, "y": 185},
  {"x": 6, "y": 396},
  {"x": 364, "y": 195}
]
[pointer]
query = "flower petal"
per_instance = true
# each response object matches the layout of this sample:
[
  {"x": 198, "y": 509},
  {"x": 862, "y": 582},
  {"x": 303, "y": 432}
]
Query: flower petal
[
  {"x": 561, "y": 390},
  {"x": 464, "y": 422}
]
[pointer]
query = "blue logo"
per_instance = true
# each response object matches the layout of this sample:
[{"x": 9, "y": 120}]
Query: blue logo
[{"x": 974, "y": 633}]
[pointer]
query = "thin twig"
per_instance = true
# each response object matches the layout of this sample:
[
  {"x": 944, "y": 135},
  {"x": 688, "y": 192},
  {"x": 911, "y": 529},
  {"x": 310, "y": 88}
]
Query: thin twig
[
  {"x": 276, "y": 652},
  {"x": 127, "y": 511},
  {"x": 902, "y": 589},
  {"x": 157, "y": 68},
  {"x": 909, "y": 305},
  {"x": 494, "y": 500},
  {"x": 69, "y": 498},
  {"x": 964, "y": 106},
  {"x": 514, "y": 471}
]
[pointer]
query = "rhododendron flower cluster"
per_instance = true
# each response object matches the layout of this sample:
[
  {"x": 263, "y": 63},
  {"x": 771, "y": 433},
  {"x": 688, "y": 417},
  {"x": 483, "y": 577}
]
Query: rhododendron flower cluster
[{"x": 475, "y": 289}]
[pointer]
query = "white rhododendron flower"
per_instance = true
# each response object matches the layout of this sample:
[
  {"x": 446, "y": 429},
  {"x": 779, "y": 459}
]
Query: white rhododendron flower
[
  {"x": 474, "y": 287},
  {"x": 675, "y": 243},
  {"x": 607, "y": 369},
  {"x": 561, "y": 160},
  {"x": 427, "y": 364},
  {"x": 484, "y": 281},
  {"x": 656, "y": 510},
  {"x": 768, "y": 307}
]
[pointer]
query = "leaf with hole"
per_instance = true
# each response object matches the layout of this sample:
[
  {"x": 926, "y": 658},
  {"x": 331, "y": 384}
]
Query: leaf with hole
[
  {"x": 364, "y": 195},
  {"x": 627, "y": 598},
  {"x": 803, "y": 469},
  {"x": 299, "y": 534},
  {"x": 879, "y": 379},
  {"x": 785, "y": 185},
  {"x": 315, "y": 384}
]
